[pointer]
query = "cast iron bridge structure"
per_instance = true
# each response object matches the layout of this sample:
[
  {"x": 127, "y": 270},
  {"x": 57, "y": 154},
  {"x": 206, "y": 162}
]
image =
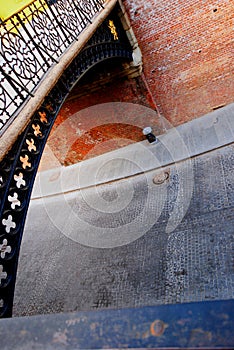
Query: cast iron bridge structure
[
  {"x": 45, "y": 49},
  {"x": 33, "y": 43}
]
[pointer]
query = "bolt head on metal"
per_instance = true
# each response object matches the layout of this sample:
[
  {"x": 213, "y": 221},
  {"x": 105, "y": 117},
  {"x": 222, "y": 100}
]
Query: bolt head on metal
[{"x": 161, "y": 177}]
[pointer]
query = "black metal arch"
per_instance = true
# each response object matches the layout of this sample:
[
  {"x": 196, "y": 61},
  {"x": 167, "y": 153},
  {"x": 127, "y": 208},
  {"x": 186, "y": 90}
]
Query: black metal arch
[{"x": 19, "y": 167}]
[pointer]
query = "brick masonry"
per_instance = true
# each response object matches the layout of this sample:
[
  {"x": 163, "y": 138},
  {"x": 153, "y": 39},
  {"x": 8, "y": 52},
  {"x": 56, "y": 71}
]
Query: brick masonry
[
  {"x": 188, "y": 71},
  {"x": 80, "y": 139},
  {"x": 188, "y": 54}
]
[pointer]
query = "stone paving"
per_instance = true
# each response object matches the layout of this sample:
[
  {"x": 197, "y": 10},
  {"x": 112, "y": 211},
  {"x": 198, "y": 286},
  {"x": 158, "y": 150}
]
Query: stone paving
[{"x": 185, "y": 255}]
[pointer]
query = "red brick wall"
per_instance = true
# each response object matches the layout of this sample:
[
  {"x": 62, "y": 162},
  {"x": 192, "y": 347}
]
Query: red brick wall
[
  {"x": 188, "y": 53},
  {"x": 120, "y": 90}
]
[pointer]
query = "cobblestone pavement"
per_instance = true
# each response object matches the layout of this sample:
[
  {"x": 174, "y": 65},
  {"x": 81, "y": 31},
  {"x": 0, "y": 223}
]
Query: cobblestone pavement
[{"x": 191, "y": 262}]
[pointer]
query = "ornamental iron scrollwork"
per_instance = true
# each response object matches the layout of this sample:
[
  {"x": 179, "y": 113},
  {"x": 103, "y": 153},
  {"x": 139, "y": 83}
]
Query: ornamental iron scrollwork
[
  {"x": 19, "y": 167},
  {"x": 32, "y": 41}
]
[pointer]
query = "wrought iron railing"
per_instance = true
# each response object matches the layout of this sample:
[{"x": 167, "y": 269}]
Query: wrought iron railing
[
  {"x": 32, "y": 41},
  {"x": 19, "y": 166}
]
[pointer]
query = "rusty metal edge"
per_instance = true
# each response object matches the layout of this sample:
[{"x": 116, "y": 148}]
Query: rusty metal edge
[{"x": 199, "y": 325}]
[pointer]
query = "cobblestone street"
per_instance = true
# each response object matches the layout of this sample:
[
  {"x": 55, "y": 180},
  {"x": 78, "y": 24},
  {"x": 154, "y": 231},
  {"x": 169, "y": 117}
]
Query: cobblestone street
[{"x": 192, "y": 262}]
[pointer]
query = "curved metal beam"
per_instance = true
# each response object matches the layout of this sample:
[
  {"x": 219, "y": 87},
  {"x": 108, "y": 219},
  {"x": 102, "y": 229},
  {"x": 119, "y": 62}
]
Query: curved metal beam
[
  {"x": 19, "y": 167},
  {"x": 9, "y": 137}
]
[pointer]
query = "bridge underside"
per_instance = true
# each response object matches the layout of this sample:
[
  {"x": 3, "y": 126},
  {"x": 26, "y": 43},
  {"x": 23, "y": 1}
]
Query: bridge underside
[
  {"x": 19, "y": 166},
  {"x": 169, "y": 242}
]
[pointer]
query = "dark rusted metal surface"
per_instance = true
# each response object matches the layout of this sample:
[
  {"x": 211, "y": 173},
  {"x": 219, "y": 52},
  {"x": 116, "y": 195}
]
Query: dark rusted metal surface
[{"x": 185, "y": 326}]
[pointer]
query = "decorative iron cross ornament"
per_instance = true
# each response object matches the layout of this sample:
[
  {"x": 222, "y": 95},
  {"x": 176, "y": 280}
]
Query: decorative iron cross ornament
[
  {"x": 19, "y": 180},
  {"x": 14, "y": 200},
  {"x": 9, "y": 223},
  {"x": 37, "y": 130},
  {"x": 4, "y": 248},
  {"x": 31, "y": 145},
  {"x": 25, "y": 162},
  {"x": 43, "y": 117},
  {"x": 3, "y": 275}
]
